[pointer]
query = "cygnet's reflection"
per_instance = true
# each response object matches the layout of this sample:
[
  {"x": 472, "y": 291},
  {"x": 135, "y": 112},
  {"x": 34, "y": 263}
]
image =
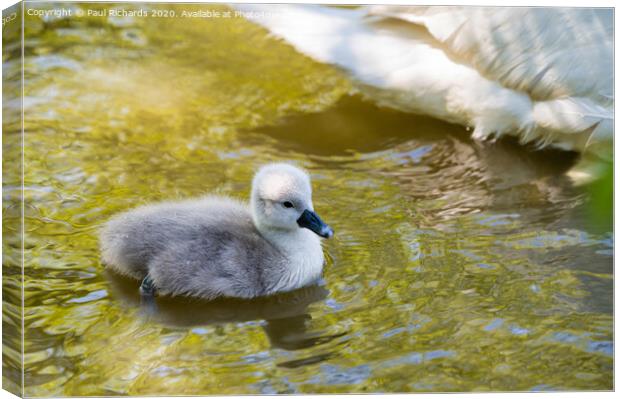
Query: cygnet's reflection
[{"x": 286, "y": 315}]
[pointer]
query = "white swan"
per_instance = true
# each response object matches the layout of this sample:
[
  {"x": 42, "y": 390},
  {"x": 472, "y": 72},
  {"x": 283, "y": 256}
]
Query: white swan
[
  {"x": 216, "y": 246},
  {"x": 544, "y": 75}
]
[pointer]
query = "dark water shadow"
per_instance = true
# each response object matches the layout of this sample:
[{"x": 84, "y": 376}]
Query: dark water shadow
[
  {"x": 286, "y": 315},
  {"x": 353, "y": 125},
  {"x": 356, "y": 125}
]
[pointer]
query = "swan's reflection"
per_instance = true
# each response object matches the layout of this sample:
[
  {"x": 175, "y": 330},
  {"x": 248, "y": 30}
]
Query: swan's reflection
[{"x": 286, "y": 315}]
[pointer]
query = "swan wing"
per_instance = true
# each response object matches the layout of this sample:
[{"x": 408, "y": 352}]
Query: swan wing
[{"x": 547, "y": 52}]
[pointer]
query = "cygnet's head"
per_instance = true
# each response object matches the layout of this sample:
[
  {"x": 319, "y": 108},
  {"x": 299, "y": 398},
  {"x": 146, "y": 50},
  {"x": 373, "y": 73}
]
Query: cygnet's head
[{"x": 282, "y": 200}]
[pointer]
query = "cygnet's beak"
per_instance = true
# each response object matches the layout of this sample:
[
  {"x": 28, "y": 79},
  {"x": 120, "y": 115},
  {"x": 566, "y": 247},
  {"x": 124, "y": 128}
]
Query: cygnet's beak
[{"x": 312, "y": 221}]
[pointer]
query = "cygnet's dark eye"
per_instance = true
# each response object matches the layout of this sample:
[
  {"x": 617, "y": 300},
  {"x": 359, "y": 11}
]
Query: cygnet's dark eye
[{"x": 287, "y": 204}]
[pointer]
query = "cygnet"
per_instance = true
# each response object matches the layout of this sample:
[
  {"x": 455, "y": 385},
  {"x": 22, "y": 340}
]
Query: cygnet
[{"x": 219, "y": 246}]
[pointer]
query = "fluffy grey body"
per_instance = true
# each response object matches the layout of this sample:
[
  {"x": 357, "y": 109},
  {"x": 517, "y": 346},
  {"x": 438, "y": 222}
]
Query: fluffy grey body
[{"x": 217, "y": 246}]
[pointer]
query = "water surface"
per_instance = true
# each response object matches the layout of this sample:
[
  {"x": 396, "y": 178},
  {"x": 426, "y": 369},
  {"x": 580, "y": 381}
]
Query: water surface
[{"x": 456, "y": 265}]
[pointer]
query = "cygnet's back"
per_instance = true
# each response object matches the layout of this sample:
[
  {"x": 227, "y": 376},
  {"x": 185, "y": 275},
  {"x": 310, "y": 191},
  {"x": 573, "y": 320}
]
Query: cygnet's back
[
  {"x": 212, "y": 246},
  {"x": 186, "y": 234}
]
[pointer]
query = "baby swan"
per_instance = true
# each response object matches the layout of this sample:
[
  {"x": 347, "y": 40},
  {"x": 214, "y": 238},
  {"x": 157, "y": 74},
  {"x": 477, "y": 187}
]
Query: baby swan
[{"x": 218, "y": 246}]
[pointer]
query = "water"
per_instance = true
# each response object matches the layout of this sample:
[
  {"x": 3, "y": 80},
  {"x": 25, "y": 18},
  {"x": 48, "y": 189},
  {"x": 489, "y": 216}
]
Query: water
[{"x": 456, "y": 265}]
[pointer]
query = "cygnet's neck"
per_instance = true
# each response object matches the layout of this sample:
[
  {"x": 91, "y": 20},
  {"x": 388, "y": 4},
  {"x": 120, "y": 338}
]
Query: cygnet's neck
[
  {"x": 289, "y": 240},
  {"x": 304, "y": 254}
]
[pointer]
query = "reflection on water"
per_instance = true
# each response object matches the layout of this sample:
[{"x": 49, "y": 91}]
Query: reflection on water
[
  {"x": 457, "y": 266},
  {"x": 285, "y": 315}
]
